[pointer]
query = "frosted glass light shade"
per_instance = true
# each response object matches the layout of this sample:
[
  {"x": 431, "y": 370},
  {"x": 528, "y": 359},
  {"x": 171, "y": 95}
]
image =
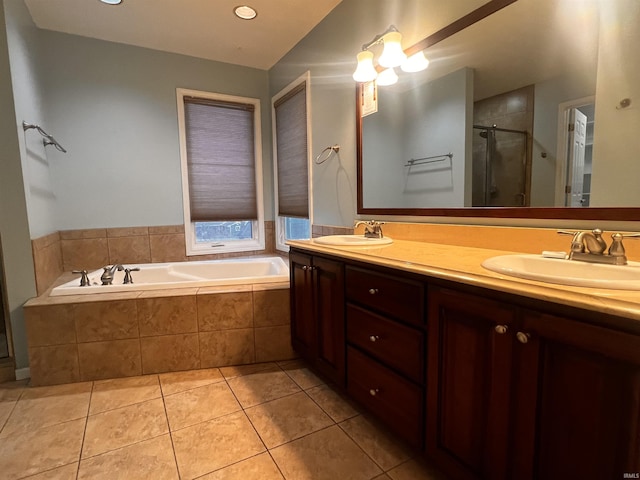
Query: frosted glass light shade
[
  {"x": 415, "y": 63},
  {"x": 365, "y": 71},
  {"x": 387, "y": 77},
  {"x": 392, "y": 54}
]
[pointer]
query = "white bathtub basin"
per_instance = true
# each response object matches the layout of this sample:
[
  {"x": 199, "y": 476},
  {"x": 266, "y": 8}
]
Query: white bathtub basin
[
  {"x": 567, "y": 272},
  {"x": 352, "y": 240},
  {"x": 156, "y": 276}
]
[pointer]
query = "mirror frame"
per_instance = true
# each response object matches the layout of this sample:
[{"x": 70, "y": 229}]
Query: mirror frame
[{"x": 573, "y": 213}]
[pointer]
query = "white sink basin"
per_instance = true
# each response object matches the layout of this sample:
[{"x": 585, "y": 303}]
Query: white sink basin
[
  {"x": 352, "y": 240},
  {"x": 567, "y": 272}
]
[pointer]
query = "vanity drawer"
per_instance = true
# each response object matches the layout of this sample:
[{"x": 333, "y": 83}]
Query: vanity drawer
[
  {"x": 398, "y": 297},
  {"x": 398, "y": 346},
  {"x": 394, "y": 400}
]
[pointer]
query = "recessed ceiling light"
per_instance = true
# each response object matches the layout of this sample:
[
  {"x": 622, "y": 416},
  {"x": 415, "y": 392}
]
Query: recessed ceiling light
[
  {"x": 112, "y": 2},
  {"x": 245, "y": 12}
]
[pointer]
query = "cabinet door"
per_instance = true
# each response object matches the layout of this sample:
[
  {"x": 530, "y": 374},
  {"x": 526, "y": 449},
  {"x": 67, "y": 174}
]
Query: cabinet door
[
  {"x": 328, "y": 277},
  {"x": 578, "y": 401},
  {"x": 468, "y": 381},
  {"x": 303, "y": 325}
]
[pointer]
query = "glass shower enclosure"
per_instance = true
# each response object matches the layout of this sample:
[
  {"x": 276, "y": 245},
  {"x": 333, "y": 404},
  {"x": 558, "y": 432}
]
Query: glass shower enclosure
[{"x": 501, "y": 171}]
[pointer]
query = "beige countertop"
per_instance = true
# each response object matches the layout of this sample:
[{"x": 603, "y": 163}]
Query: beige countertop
[{"x": 463, "y": 265}]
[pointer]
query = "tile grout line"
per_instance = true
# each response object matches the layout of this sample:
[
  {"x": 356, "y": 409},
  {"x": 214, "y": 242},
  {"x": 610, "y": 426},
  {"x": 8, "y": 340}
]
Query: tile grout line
[
  {"x": 166, "y": 416},
  {"x": 84, "y": 431}
]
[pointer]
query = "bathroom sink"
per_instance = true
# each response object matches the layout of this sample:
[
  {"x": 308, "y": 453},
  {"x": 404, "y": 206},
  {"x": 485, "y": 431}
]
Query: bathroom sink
[
  {"x": 567, "y": 272},
  {"x": 352, "y": 240}
]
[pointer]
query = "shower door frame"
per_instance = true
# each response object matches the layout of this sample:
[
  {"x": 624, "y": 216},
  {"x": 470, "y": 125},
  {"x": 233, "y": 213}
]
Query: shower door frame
[{"x": 527, "y": 161}]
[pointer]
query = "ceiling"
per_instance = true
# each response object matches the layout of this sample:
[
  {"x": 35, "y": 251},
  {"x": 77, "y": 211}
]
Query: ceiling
[{"x": 199, "y": 28}]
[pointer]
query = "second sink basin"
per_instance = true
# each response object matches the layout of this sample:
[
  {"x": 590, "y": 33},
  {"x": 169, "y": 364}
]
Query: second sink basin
[
  {"x": 352, "y": 240},
  {"x": 567, "y": 272}
]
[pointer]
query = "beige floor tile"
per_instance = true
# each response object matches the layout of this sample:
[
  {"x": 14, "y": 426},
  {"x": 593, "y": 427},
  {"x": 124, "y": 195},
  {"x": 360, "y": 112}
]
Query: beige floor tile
[
  {"x": 209, "y": 446},
  {"x": 325, "y": 455},
  {"x": 241, "y": 370},
  {"x": 35, "y": 451},
  {"x": 199, "y": 405},
  {"x": 298, "y": 371},
  {"x": 152, "y": 459},
  {"x": 44, "y": 406},
  {"x": 180, "y": 381},
  {"x": 285, "y": 419},
  {"x": 415, "y": 470},
  {"x": 337, "y": 407},
  {"x": 384, "y": 449},
  {"x": 67, "y": 472},
  {"x": 111, "y": 394},
  {"x": 260, "y": 467},
  {"x": 11, "y": 391},
  {"x": 124, "y": 426},
  {"x": 262, "y": 387}
]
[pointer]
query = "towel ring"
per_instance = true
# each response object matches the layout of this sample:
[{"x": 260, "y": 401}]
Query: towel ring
[{"x": 324, "y": 156}]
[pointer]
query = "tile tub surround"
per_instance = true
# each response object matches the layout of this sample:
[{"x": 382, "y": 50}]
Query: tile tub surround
[
  {"x": 206, "y": 424},
  {"x": 91, "y": 249},
  {"x": 83, "y": 338}
]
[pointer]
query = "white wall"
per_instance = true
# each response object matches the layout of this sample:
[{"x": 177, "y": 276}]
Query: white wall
[
  {"x": 617, "y": 130},
  {"x": 113, "y": 107},
  {"x": 24, "y": 53},
  {"x": 14, "y": 227},
  {"x": 440, "y": 125},
  {"x": 548, "y": 95}
]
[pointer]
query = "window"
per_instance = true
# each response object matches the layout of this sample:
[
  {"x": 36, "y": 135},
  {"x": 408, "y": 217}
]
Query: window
[
  {"x": 291, "y": 162},
  {"x": 221, "y": 172}
]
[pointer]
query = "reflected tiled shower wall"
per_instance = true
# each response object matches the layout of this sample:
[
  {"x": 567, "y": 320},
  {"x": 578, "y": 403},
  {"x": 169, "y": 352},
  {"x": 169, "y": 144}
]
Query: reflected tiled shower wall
[{"x": 91, "y": 249}]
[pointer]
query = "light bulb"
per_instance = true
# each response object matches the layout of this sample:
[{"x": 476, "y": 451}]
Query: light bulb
[
  {"x": 415, "y": 63},
  {"x": 387, "y": 77},
  {"x": 365, "y": 71},
  {"x": 392, "y": 54}
]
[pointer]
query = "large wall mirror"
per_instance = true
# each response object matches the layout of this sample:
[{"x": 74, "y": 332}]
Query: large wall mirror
[{"x": 529, "y": 108}]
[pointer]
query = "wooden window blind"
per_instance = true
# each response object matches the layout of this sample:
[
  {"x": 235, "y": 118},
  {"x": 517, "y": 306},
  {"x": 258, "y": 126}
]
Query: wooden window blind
[
  {"x": 220, "y": 160},
  {"x": 291, "y": 151}
]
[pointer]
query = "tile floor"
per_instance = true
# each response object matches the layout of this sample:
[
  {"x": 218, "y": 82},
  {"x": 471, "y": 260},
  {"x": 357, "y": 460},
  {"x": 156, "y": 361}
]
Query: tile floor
[{"x": 263, "y": 422}]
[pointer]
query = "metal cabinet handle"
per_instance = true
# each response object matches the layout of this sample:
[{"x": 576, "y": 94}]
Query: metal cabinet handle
[
  {"x": 501, "y": 329},
  {"x": 373, "y": 291},
  {"x": 523, "y": 337},
  {"x": 373, "y": 392},
  {"x": 374, "y": 338},
  {"x": 308, "y": 267}
]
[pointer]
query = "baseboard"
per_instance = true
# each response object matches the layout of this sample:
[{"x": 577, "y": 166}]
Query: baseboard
[{"x": 22, "y": 373}]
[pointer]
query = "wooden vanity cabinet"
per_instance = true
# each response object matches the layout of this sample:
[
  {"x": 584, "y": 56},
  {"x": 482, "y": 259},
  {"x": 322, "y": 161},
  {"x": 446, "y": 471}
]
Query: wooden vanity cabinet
[
  {"x": 385, "y": 348},
  {"x": 317, "y": 313},
  {"x": 513, "y": 393}
]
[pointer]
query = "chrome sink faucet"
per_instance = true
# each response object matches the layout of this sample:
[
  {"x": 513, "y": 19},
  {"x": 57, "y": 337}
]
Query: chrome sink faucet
[
  {"x": 372, "y": 228},
  {"x": 591, "y": 247},
  {"x": 109, "y": 270}
]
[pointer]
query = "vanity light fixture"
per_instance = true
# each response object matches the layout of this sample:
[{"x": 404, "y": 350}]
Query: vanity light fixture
[
  {"x": 245, "y": 12},
  {"x": 392, "y": 56},
  {"x": 112, "y": 2}
]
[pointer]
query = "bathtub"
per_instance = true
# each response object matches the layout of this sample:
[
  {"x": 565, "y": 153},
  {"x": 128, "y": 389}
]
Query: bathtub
[{"x": 156, "y": 276}]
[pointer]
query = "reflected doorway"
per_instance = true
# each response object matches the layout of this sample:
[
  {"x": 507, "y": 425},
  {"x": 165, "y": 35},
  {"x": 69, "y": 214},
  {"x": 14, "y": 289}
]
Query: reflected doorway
[{"x": 576, "y": 120}]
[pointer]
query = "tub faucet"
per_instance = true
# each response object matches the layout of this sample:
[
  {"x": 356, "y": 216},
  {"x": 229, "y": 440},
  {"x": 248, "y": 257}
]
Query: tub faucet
[
  {"x": 109, "y": 270},
  {"x": 372, "y": 228}
]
